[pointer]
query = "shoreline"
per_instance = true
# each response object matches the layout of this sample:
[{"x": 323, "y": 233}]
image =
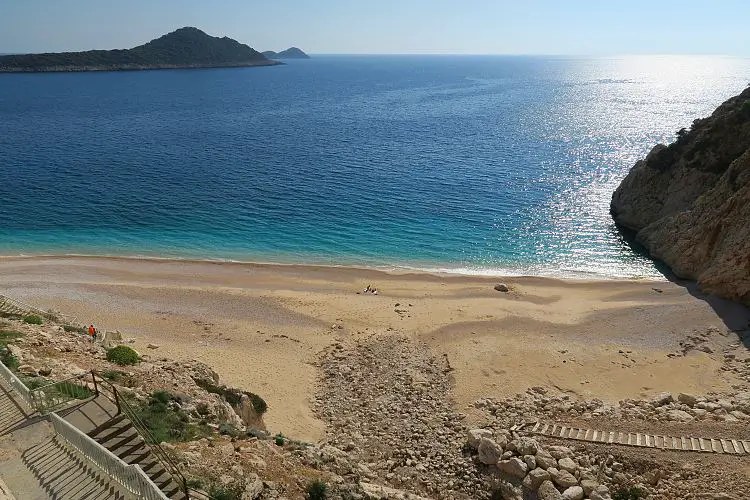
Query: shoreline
[
  {"x": 263, "y": 328},
  {"x": 463, "y": 272}
]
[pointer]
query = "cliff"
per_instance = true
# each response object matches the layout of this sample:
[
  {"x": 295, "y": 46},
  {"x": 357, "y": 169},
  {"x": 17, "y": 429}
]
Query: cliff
[
  {"x": 689, "y": 202},
  {"x": 290, "y": 53},
  {"x": 183, "y": 48}
]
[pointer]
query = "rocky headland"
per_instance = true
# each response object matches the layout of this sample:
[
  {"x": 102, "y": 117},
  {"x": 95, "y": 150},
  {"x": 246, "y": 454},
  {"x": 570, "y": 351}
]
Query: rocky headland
[
  {"x": 290, "y": 53},
  {"x": 184, "y": 48},
  {"x": 689, "y": 203}
]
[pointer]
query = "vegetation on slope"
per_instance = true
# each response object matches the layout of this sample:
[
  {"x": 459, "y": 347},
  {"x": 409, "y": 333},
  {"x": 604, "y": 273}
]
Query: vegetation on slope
[{"x": 184, "y": 48}]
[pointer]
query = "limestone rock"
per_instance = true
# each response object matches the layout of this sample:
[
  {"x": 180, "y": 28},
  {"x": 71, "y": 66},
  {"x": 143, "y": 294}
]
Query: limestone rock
[
  {"x": 562, "y": 478},
  {"x": 588, "y": 486},
  {"x": 567, "y": 464},
  {"x": 662, "y": 399},
  {"x": 689, "y": 203},
  {"x": 502, "y": 287},
  {"x": 560, "y": 451},
  {"x": 535, "y": 478},
  {"x": 377, "y": 492},
  {"x": 573, "y": 493},
  {"x": 513, "y": 466},
  {"x": 600, "y": 493},
  {"x": 475, "y": 436},
  {"x": 524, "y": 446},
  {"x": 489, "y": 451},
  {"x": 687, "y": 399},
  {"x": 253, "y": 487},
  {"x": 679, "y": 415},
  {"x": 547, "y": 491},
  {"x": 545, "y": 460}
]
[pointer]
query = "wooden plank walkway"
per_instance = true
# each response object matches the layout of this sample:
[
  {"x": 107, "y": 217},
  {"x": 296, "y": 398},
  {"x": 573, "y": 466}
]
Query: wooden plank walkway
[{"x": 658, "y": 441}]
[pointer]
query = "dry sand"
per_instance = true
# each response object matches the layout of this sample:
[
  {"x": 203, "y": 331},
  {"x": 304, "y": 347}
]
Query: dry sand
[{"x": 261, "y": 326}]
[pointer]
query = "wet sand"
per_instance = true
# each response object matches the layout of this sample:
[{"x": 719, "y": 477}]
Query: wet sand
[{"x": 261, "y": 327}]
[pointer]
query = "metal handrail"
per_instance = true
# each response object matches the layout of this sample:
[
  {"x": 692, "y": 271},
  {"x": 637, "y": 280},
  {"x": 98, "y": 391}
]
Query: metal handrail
[
  {"x": 47, "y": 398},
  {"x": 16, "y": 384},
  {"x": 130, "y": 477},
  {"x": 155, "y": 447},
  {"x": 23, "y": 308}
]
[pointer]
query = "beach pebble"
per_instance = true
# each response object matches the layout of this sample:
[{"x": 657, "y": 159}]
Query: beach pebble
[{"x": 153, "y": 346}]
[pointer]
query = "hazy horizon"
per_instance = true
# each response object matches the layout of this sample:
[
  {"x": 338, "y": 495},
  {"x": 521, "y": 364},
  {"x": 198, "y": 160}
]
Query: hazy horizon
[{"x": 421, "y": 27}]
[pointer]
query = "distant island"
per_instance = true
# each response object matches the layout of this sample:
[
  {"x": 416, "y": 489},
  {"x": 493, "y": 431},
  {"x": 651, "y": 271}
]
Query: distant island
[
  {"x": 184, "y": 48},
  {"x": 290, "y": 53}
]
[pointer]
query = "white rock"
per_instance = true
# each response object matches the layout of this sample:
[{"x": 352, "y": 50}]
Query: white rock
[
  {"x": 489, "y": 451},
  {"x": 600, "y": 493},
  {"x": 545, "y": 460},
  {"x": 588, "y": 486},
  {"x": 687, "y": 399},
  {"x": 547, "y": 491},
  {"x": 535, "y": 478},
  {"x": 662, "y": 399},
  {"x": 573, "y": 493},
  {"x": 475, "y": 436},
  {"x": 562, "y": 478},
  {"x": 513, "y": 466},
  {"x": 679, "y": 416},
  {"x": 153, "y": 346},
  {"x": 253, "y": 488},
  {"x": 377, "y": 492},
  {"x": 560, "y": 451},
  {"x": 524, "y": 446},
  {"x": 567, "y": 464}
]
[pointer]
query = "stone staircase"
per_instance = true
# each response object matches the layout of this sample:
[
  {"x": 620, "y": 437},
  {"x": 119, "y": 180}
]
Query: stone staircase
[{"x": 120, "y": 437}]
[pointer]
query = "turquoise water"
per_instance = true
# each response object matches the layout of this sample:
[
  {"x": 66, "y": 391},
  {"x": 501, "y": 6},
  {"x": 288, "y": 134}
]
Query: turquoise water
[{"x": 471, "y": 164}]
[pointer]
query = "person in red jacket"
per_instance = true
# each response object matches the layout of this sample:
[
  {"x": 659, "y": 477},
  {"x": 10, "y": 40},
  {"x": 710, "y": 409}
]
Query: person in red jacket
[{"x": 92, "y": 332}]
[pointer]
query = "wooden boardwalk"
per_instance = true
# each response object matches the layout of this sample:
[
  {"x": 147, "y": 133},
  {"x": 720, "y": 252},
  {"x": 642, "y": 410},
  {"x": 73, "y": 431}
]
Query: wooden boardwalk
[{"x": 672, "y": 443}]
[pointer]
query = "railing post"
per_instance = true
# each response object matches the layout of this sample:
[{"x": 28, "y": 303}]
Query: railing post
[
  {"x": 117, "y": 399},
  {"x": 96, "y": 387}
]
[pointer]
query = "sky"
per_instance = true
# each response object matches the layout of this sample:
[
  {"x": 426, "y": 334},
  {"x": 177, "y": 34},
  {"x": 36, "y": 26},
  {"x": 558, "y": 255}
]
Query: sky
[{"x": 550, "y": 27}]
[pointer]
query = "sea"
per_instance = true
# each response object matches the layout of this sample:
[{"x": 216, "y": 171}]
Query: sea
[{"x": 491, "y": 165}]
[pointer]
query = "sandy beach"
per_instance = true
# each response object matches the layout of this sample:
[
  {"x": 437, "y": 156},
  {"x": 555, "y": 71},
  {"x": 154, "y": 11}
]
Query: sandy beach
[{"x": 262, "y": 327}]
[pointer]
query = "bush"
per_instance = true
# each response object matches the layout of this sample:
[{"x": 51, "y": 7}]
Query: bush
[
  {"x": 632, "y": 493},
  {"x": 8, "y": 336},
  {"x": 165, "y": 422},
  {"x": 227, "y": 429},
  {"x": 123, "y": 355},
  {"x": 317, "y": 490},
  {"x": 162, "y": 397},
  {"x": 112, "y": 375},
  {"x": 279, "y": 439},
  {"x": 33, "y": 319},
  {"x": 10, "y": 361},
  {"x": 234, "y": 396},
  {"x": 233, "y": 492}
]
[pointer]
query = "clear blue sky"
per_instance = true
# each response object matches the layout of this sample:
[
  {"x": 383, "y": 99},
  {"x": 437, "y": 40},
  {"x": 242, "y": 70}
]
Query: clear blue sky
[{"x": 596, "y": 27}]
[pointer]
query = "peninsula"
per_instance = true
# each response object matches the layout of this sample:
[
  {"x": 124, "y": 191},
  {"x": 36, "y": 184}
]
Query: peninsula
[
  {"x": 290, "y": 53},
  {"x": 184, "y": 48}
]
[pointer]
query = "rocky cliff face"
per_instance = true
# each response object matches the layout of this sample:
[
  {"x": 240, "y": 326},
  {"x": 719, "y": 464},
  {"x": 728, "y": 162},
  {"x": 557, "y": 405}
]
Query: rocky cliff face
[{"x": 689, "y": 202}]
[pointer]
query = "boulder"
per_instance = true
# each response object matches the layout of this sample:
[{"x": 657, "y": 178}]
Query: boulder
[
  {"x": 567, "y": 464},
  {"x": 573, "y": 493},
  {"x": 662, "y": 399},
  {"x": 489, "y": 451},
  {"x": 600, "y": 493},
  {"x": 560, "y": 451},
  {"x": 547, "y": 491},
  {"x": 545, "y": 460},
  {"x": 588, "y": 486},
  {"x": 502, "y": 287},
  {"x": 524, "y": 446},
  {"x": 514, "y": 467},
  {"x": 376, "y": 492},
  {"x": 535, "y": 478},
  {"x": 28, "y": 371},
  {"x": 253, "y": 487},
  {"x": 679, "y": 416},
  {"x": 474, "y": 436},
  {"x": 562, "y": 478},
  {"x": 687, "y": 399}
]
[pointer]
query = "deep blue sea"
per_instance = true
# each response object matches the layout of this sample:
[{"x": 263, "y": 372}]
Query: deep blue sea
[{"x": 472, "y": 164}]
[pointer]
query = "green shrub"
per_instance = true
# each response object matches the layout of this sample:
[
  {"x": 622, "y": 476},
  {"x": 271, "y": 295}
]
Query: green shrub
[
  {"x": 279, "y": 439},
  {"x": 75, "y": 329},
  {"x": 10, "y": 361},
  {"x": 234, "y": 396},
  {"x": 123, "y": 355},
  {"x": 632, "y": 493},
  {"x": 317, "y": 490},
  {"x": 227, "y": 429},
  {"x": 8, "y": 336},
  {"x": 112, "y": 375},
  {"x": 33, "y": 319},
  {"x": 231, "y": 492},
  {"x": 195, "y": 483},
  {"x": 165, "y": 422},
  {"x": 162, "y": 397},
  {"x": 73, "y": 390}
]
